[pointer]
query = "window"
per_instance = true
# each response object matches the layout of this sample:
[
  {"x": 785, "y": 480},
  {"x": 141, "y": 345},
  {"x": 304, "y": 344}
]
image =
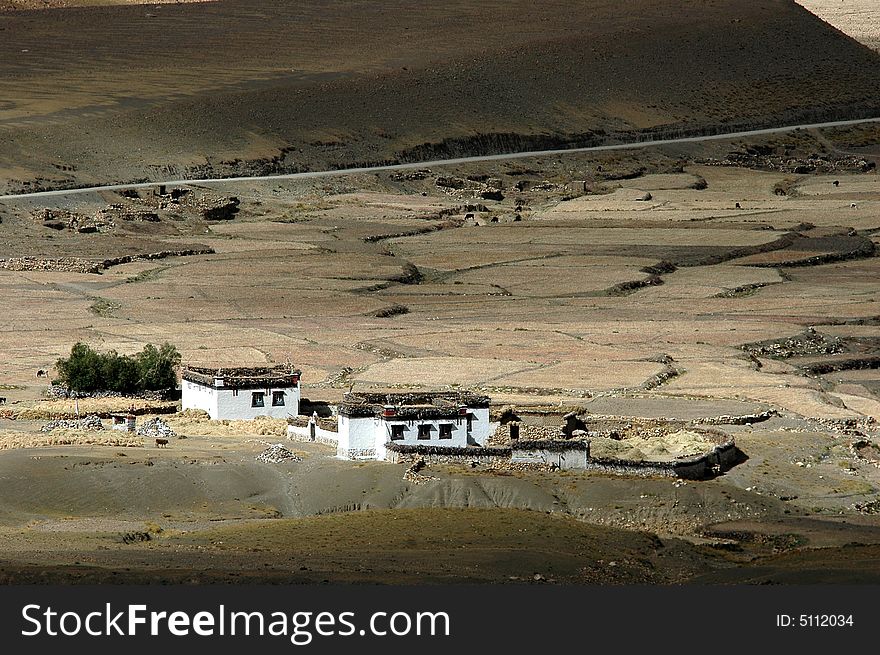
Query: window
[
  {"x": 397, "y": 432},
  {"x": 277, "y": 399},
  {"x": 424, "y": 432},
  {"x": 446, "y": 430},
  {"x": 257, "y": 399}
]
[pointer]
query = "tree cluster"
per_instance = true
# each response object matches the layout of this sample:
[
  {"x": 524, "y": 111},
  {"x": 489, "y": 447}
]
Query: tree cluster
[{"x": 152, "y": 369}]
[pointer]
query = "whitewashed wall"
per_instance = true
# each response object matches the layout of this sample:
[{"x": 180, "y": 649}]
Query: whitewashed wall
[
  {"x": 223, "y": 404},
  {"x": 481, "y": 429},
  {"x": 198, "y": 396},
  {"x": 365, "y": 437},
  {"x": 304, "y": 433},
  {"x": 358, "y": 437},
  {"x": 411, "y": 432},
  {"x": 232, "y": 406}
]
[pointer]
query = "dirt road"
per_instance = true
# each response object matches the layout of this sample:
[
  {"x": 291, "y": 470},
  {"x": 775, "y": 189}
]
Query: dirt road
[{"x": 448, "y": 162}]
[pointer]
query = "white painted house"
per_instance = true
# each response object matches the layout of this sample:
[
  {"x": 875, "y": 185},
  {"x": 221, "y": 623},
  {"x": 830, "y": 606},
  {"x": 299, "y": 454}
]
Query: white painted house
[
  {"x": 367, "y": 422},
  {"x": 242, "y": 393}
]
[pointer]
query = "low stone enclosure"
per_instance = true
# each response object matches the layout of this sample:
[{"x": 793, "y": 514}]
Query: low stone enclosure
[{"x": 630, "y": 447}]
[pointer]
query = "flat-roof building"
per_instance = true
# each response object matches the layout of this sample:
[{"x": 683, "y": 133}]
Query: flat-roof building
[
  {"x": 242, "y": 392},
  {"x": 369, "y": 421}
]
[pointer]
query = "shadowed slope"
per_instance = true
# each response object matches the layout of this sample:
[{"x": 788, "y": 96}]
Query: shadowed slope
[{"x": 113, "y": 93}]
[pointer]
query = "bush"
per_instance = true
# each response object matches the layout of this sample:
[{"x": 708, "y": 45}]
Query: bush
[{"x": 86, "y": 370}]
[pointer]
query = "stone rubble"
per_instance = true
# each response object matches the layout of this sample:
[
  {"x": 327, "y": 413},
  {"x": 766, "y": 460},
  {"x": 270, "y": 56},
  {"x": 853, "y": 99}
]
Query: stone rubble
[
  {"x": 773, "y": 160},
  {"x": 277, "y": 454},
  {"x": 60, "y": 265},
  {"x": 90, "y": 422},
  {"x": 156, "y": 428},
  {"x": 413, "y": 475},
  {"x": 61, "y": 219},
  {"x": 457, "y": 187},
  {"x": 809, "y": 342},
  {"x": 869, "y": 507}
]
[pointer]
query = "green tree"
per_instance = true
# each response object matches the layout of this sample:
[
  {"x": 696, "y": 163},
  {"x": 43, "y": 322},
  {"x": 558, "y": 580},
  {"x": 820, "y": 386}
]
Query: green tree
[
  {"x": 157, "y": 366},
  {"x": 151, "y": 369},
  {"x": 82, "y": 370},
  {"x": 119, "y": 373}
]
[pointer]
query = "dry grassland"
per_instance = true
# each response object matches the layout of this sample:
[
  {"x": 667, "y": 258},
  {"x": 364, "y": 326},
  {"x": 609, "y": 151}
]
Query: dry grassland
[{"x": 63, "y": 437}]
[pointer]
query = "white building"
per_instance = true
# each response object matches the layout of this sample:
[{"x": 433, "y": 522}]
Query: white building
[
  {"x": 241, "y": 393},
  {"x": 367, "y": 422}
]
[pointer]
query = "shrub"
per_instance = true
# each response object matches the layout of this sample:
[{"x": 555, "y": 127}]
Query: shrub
[{"x": 119, "y": 373}]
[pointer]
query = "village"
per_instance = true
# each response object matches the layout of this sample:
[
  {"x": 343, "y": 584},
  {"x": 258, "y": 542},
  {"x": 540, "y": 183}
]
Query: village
[{"x": 423, "y": 427}]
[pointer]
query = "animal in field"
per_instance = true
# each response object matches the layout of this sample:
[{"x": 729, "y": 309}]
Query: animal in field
[{"x": 161, "y": 443}]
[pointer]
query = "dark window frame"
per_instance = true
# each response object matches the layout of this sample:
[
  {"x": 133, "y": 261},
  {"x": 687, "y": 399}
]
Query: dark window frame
[
  {"x": 424, "y": 431},
  {"x": 397, "y": 432},
  {"x": 445, "y": 431},
  {"x": 258, "y": 396},
  {"x": 276, "y": 396}
]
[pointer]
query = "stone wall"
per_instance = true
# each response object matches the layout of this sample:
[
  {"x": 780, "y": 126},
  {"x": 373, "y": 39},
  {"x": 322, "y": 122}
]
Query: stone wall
[
  {"x": 466, "y": 458},
  {"x": 78, "y": 265},
  {"x": 717, "y": 460},
  {"x": 572, "y": 455},
  {"x": 304, "y": 433},
  {"x": 62, "y": 264}
]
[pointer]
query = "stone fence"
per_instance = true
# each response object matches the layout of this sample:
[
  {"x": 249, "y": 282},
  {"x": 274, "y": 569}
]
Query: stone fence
[
  {"x": 304, "y": 433},
  {"x": 717, "y": 460}
]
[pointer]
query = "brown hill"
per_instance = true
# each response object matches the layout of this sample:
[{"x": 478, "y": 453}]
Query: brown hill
[
  {"x": 29, "y": 5},
  {"x": 102, "y": 94}
]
